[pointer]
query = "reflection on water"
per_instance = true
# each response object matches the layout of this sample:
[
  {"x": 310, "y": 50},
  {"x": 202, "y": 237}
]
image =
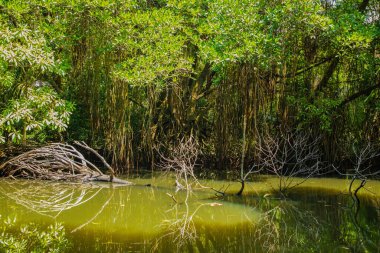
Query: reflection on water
[
  {"x": 104, "y": 218},
  {"x": 48, "y": 199}
]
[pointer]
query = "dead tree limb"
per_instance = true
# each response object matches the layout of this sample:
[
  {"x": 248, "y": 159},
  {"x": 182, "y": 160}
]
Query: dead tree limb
[
  {"x": 182, "y": 161},
  {"x": 57, "y": 162},
  {"x": 288, "y": 155},
  {"x": 85, "y": 146},
  {"x": 363, "y": 159}
]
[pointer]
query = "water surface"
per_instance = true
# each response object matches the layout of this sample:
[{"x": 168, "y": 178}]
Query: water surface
[{"x": 318, "y": 217}]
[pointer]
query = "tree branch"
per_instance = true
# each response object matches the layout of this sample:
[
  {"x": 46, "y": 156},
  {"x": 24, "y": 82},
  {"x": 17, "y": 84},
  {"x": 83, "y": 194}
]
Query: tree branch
[
  {"x": 358, "y": 94},
  {"x": 301, "y": 71},
  {"x": 328, "y": 74}
]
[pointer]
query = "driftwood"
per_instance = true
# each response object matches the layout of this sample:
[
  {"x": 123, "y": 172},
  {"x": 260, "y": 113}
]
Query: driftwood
[{"x": 58, "y": 162}]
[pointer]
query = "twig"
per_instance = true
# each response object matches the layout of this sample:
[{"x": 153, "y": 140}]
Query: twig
[{"x": 172, "y": 197}]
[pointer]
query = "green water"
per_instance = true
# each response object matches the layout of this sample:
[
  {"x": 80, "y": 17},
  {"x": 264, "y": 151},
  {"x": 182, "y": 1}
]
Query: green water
[{"x": 319, "y": 217}]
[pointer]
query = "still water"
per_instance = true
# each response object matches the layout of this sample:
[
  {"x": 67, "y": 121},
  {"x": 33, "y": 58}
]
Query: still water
[{"x": 318, "y": 216}]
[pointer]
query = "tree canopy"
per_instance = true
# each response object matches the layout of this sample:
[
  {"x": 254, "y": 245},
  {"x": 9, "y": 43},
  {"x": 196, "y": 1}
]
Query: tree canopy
[{"x": 132, "y": 75}]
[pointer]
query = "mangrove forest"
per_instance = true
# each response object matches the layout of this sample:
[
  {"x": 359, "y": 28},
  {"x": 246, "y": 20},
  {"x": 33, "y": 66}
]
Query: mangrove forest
[{"x": 189, "y": 126}]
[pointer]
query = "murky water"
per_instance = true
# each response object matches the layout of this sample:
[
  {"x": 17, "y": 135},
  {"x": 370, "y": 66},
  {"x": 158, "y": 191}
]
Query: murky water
[{"x": 319, "y": 217}]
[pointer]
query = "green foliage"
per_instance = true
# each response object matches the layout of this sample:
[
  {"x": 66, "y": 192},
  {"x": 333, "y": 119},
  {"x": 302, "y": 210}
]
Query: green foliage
[
  {"x": 320, "y": 113},
  {"x": 156, "y": 51},
  {"x": 37, "y": 111},
  {"x": 31, "y": 238},
  {"x": 146, "y": 72},
  {"x": 23, "y": 47},
  {"x": 24, "y": 50},
  {"x": 26, "y": 55},
  {"x": 262, "y": 32}
]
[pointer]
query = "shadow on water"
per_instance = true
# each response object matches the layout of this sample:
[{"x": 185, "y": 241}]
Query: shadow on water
[{"x": 103, "y": 218}]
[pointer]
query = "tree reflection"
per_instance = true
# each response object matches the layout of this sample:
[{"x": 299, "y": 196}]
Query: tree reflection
[
  {"x": 357, "y": 231},
  {"x": 49, "y": 199},
  {"x": 310, "y": 224},
  {"x": 307, "y": 221},
  {"x": 285, "y": 226}
]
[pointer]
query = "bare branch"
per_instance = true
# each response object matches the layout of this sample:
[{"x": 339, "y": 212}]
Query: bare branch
[
  {"x": 288, "y": 155},
  {"x": 56, "y": 162},
  {"x": 182, "y": 161}
]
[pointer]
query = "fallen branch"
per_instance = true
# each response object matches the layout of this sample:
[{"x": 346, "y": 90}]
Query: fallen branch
[
  {"x": 57, "y": 162},
  {"x": 85, "y": 146}
]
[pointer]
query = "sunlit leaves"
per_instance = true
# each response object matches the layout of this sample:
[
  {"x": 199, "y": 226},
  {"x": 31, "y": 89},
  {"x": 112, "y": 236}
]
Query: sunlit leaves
[
  {"x": 31, "y": 238},
  {"x": 263, "y": 32},
  {"x": 23, "y": 47},
  {"x": 154, "y": 46},
  {"x": 130, "y": 63},
  {"x": 36, "y": 111},
  {"x": 350, "y": 30}
]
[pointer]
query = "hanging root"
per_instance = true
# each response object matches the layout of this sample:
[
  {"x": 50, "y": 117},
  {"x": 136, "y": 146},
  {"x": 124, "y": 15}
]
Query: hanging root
[{"x": 58, "y": 162}]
